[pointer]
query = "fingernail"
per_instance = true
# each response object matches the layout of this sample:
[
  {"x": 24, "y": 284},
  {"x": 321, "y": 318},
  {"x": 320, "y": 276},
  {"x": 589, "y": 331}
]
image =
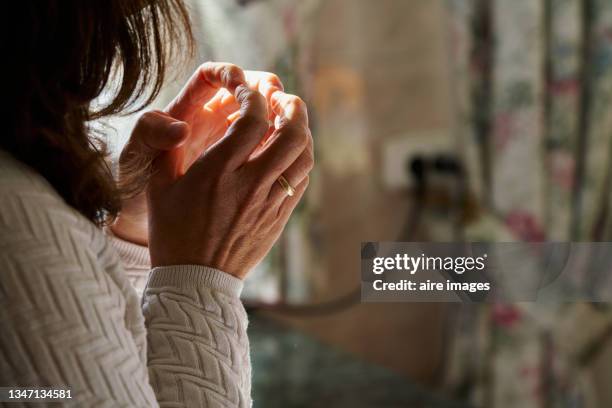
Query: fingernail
[{"x": 178, "y": 130}]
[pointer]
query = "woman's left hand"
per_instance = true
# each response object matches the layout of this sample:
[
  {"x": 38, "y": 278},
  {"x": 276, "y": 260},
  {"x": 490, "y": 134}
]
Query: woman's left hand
[{"x": 191, "y": 134}]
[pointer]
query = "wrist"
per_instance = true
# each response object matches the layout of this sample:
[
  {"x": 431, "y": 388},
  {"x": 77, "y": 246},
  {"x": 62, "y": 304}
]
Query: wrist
[
  {"x": 190, "y": 276},
  {"x": 166, "y": 256}
]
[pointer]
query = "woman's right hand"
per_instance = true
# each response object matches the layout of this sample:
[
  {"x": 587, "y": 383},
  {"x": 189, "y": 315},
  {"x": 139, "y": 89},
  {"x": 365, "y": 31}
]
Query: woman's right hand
[{"x": 227, "y": 209}]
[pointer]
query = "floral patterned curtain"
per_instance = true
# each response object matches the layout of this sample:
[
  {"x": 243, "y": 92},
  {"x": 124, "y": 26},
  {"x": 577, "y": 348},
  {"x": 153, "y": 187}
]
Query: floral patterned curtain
[{"x": 533, "y": 105}]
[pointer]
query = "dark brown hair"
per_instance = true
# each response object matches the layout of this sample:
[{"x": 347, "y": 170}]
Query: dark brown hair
[{"x": 61, "y": 54}]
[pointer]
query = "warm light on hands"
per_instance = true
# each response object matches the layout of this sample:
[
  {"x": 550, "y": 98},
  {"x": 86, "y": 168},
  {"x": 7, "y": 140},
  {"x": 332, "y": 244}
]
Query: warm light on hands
[{"x": 213, "y": 196}]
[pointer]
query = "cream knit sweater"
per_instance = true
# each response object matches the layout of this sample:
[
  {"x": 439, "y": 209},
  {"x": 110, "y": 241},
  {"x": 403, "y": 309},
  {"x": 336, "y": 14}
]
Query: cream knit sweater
[{"x": 70, "y": 315}]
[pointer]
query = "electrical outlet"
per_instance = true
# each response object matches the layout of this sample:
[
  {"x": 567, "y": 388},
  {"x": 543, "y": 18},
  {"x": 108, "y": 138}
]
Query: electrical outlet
[{"x": 398, "y": 151}]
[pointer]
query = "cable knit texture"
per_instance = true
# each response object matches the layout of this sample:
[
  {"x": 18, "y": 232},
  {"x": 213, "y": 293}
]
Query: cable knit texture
[{"x": 71, "y": 316}]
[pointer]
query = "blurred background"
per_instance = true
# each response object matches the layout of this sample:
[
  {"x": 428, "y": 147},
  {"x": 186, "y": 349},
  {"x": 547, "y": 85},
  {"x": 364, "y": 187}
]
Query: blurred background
[{"x": 438, "y": 120}]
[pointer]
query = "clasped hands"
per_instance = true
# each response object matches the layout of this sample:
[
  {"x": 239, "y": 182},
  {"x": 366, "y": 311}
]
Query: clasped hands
[{"x": 214, "y": 157}]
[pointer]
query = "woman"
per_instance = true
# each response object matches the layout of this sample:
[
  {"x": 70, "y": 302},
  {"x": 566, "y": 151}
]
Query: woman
[{"x": 210, "y": 185}]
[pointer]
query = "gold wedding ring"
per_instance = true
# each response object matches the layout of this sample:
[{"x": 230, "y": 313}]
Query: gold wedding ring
[{"x": 286, "y": 186}]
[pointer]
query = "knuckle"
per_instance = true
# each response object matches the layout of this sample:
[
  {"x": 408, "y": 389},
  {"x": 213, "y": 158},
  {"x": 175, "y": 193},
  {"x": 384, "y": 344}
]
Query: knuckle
[
  {"x": 253, "y": 97},
  {"x": 309, "y": 162},
  {"x": 205, "y": 66},
  {"x": 231, "y": 68},
  {"x": 251, "y": 100},
  {"x": 204, "y": 69},
  {"x": 230, "y": 72},
  {"x": 297, "y": 108},
  {"x": 273, "y": 78},
  {"x": 300, "y": 136},
  {"x": 294, "y": 137},
  {"x": 297, "y": 101},
  {"x": 310, "y": 142}
]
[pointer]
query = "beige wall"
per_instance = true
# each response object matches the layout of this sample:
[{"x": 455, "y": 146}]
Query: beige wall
[{"x": 387, "y": 59}]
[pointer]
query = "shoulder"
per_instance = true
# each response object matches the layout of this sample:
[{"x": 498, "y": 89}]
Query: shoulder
[
  {"x": 17, "y": 177},
  {"x": 22, "y": 189},
  {"x": 35, "y": 220},
  {"x": 61, "y": 286},
  {"x": 26, "y": 198},
  {"x": 44, "y": 240}
]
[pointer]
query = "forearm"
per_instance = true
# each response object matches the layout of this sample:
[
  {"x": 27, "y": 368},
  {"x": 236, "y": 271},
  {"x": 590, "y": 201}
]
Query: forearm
[
  {"x": 198, "y": 350},
  {"x": 196, "y": 330}
]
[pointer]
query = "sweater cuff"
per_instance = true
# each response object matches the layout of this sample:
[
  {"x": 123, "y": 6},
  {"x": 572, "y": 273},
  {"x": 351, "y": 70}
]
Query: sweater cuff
[{"x": 191, "y": 276}]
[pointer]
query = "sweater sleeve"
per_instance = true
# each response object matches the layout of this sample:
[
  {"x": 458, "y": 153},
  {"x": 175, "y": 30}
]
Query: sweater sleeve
[
  {"x": 191, "y": 302},
  {"x": 198, "y": 350}
]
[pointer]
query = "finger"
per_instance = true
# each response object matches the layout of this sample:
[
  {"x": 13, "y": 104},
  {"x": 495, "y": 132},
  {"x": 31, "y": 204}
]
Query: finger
[
  {"x": 245, "y": 134},
  {"x": 289, "y": 204},
  {"x": 223, "y": 103},
  {"x": 287, "y": 142},
  {"x": 157, "y": 131},
  {"x": 154, "y": 133},
  {"x": 267, "y": 84},
  {"x": 202, "y": 86},
  {"x": 264, "y": 82},
  {"x": 289, "y": 108},
  {"x": 294, "y": 175},
  {"x": 233, "y": 117},
  {"x": 167, "y": 167}
]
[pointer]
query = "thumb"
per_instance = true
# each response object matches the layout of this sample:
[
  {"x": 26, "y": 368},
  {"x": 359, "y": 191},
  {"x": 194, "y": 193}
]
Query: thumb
[
  {"x": 156, "y": 131},
  {"x": 166, "y": 168},
  {"x": 155, "y": 135}
]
